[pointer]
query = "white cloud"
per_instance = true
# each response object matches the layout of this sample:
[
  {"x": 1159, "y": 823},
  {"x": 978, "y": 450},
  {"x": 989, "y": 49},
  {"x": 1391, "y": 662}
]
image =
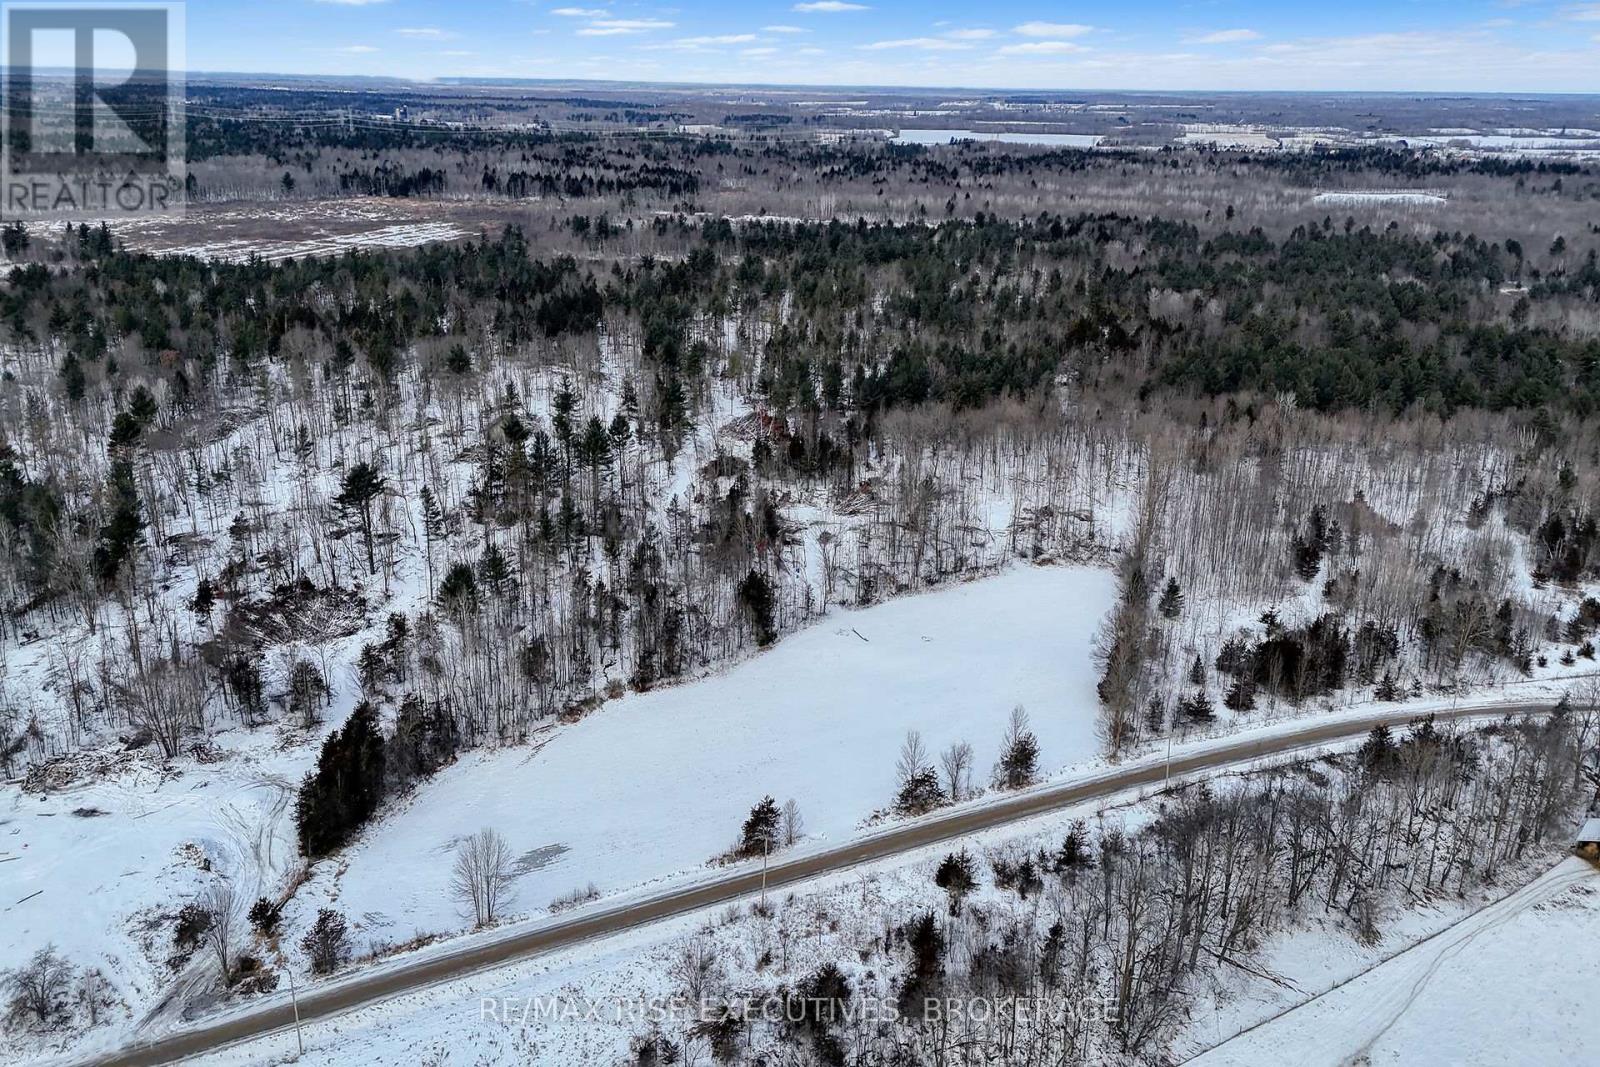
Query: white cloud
[
  {"x": 816, "y": 7},
  {"x": 356, "y": 49},
  {"x": 721, "y": 38},
  {"x": 705, "y": 43},
  {"x": 1053, "y": 29},
  {"x": 1043, "y": 48},
  {"x": 619, "y": 27},
  {"x": 457, "y": 52},
  {"x": 1583, "y": 12},
  {"x": 424, "y": 33},
  {"x": 1224, "y": 37},
  {"x": 927, "y": 44},
  {"x": 753, "y": 52},
  {"x": 968, "y": 35},
  {"x": 580, "y": 12},
  {"x": 784, "y": 29}
]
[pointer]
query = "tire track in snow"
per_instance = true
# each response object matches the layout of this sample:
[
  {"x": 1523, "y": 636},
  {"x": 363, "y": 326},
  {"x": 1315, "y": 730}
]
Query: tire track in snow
[{"x": 1386, "y": 990}]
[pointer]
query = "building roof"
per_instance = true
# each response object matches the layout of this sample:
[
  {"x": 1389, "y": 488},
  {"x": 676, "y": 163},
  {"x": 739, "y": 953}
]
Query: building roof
[{"x": 1590, "y": 831}]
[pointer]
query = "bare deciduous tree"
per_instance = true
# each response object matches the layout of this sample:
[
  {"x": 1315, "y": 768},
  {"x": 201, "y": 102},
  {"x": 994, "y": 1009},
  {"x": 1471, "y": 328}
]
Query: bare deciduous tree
[
  {"x": 793, "y": 828},
  {"x": 913, "y": 757},
  {"x": 220, "y": 905},
  {"x": 957, "y": 763},
  {"x": 482, "y": 875},
  {"x": 697, "y": 967},
  {"x": 38, "y": 987},
  {"x": 166, "y": 701}
]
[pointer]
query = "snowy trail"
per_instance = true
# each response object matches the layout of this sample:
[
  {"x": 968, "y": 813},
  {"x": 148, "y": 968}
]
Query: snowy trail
[{"x": 1343, "y": 1026}]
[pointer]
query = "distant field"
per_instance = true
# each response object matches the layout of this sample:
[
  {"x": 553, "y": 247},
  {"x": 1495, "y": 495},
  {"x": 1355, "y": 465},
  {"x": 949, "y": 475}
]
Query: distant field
[{"x": 276, "y": 231}]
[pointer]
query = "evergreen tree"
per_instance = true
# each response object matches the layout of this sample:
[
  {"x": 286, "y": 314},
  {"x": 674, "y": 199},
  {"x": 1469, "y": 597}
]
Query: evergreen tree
[
  {"x": 1198, "y": 708},
  {"x": 493, "y": 570},
  {"x": 205, "y": 596},
  {"x": 755, "y": 596},
  {"x": 72, "y": 378},
  {"x": 1241, "y": 695},
  {"x": 344, "y": 791},
  {"x": 362, "y": 484},
  {"x": 327, "y": 943},
  {"x": 563, "y": 406},
  {"x": 142, "y": 406},
  {"x": 125, "y": 526},
  {"x": 1019, "y": 753},
  {"x": 1074, "y": 854},
  {"x": 957, "y": 876},
  {"x": 926, "y": 970},
  {"x": 1171, "y": 603},
  {"x": 1378, "y": 753},
  {"x": 760, "y": 832},
  {"x": 458, "y": 592}
]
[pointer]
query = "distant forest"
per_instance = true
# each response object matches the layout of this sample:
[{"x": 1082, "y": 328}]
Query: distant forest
[{"x": 1338, "y": 315}]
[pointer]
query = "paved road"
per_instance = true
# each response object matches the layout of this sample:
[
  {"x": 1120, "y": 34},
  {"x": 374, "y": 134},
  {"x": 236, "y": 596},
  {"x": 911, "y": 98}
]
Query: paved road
[{"x": 363, "y": 989}]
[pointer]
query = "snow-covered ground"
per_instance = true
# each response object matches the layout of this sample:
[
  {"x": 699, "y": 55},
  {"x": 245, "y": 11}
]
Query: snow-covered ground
[
  {"x": 1404, "y": 197},
  {"x": 647, "y": 786},
  {"x": 487, "y": 1019},
  {"x": 234, "y": 232},
  {"x": 1510, "y": 964},
  {"x": 239, "y": 249},
  {"x": 1511, "y": 984},
  {"x": 659, "y": 783}
]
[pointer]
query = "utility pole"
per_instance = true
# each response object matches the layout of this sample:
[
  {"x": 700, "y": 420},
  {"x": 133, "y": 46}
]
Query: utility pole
[
  {"x": 1169, "y": 759},
  {"x": 294, "y": 998},
  {"x": 766, "y": 844}
]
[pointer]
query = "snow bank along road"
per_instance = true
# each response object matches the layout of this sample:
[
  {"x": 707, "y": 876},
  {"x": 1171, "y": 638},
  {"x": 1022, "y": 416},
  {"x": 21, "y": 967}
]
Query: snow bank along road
[{"x": 479, "y": 954}]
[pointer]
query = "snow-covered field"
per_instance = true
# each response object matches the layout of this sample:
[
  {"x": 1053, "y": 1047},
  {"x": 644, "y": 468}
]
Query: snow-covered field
[
  {"x": 239, "y": 250},
  {"x": 942, "y": 137},
  {"x": 645, "y": 787},
  {"x": 1223, "y": 136},
  {"x": 1407, "y": 198},
  {"x": 98, "y": 865},
  {"x": 234, "y": 232},
  {"x": 659, "y": 783}
]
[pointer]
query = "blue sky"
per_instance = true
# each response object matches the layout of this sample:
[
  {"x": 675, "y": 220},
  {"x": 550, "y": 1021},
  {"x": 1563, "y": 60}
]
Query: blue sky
[{"x": 1400, "y": 45}]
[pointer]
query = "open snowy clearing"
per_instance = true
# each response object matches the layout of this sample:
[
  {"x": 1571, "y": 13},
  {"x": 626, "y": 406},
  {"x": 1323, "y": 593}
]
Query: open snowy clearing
[
  {"x": 657, "y": 784},
  {"x": 233, "y": 232},
  {"x": 238, "y": 250},
  {"x": 1506, "y": 985},
  {"x": 1370, "y": 199},
  {"x": 645, "y": 787}
]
